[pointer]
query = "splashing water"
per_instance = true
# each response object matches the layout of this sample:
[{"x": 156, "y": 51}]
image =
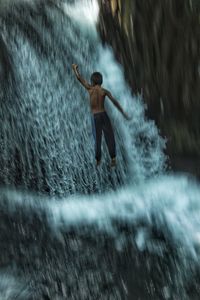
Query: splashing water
[
  {"x": 86, "y": 14},
  {"x": 46, "y": 126},
  {"x": 46, "y": 145}
]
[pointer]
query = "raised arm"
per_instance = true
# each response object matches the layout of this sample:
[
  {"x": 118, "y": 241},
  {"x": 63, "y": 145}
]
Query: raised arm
[
  {"x": 116, "y": 103},
  {"x": 80, "y": 78}
]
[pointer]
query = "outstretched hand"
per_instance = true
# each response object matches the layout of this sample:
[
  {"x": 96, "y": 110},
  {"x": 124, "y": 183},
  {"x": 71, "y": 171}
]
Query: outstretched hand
[{"x": 74, "y": 67}]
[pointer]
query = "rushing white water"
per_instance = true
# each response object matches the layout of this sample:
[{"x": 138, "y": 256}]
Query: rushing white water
[
  {"x": 173, "y": 211},
  {"x": 12, "y": 288},
  {"x": 46, "y": 143},
  {"x": 168, "y": 205},
  {"x": 47, "y": 134},
  {"x": 85, "y": 14}
]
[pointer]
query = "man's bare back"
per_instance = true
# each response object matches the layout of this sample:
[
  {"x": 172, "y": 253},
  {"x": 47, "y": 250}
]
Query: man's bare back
[{"x": 97, "y": 99}]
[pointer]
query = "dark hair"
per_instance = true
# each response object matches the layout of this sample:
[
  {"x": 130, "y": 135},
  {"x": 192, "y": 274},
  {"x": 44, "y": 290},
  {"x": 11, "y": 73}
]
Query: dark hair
[{"x": 96, "y": 78}]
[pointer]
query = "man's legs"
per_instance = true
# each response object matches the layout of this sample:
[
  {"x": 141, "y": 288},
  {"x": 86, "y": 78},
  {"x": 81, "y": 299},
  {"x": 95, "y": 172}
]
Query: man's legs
[
  {"x": 98, "y": 136},
  {"x": 109, "y": 137}
]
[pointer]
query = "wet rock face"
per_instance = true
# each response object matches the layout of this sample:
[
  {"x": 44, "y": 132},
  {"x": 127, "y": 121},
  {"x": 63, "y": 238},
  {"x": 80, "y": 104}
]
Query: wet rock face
[{"x": 158, "y": 44}]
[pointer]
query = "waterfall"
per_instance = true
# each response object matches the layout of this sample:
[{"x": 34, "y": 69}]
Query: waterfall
[
  {"x": 58, "y": 209},
  {"x": 46, "y": 139}
]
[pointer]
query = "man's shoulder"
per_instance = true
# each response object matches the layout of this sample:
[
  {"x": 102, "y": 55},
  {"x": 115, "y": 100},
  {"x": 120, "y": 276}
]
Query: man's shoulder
[
  {"x": 101, "y": 89},
  {"x": 105, "y": 91}
]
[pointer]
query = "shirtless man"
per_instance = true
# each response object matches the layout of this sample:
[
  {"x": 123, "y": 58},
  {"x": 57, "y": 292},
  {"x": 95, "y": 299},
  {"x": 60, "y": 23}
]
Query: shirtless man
[{"x": 100, "y": 119}]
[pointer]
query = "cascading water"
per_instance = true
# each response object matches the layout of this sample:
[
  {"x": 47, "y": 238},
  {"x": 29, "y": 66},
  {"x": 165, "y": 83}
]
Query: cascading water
[
  {"x": 57, "y": 243},
  {"x": 47, "y": 136}
]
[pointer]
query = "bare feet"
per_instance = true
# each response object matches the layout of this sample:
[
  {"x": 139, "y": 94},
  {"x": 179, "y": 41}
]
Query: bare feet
[
  {"x": 113, "y": 162},
  {"x": 98, "y": 162}
]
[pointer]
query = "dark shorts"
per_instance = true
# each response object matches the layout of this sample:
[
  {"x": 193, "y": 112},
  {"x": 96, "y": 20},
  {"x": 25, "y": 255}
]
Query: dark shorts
[{"x": 101, "y": 123}]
